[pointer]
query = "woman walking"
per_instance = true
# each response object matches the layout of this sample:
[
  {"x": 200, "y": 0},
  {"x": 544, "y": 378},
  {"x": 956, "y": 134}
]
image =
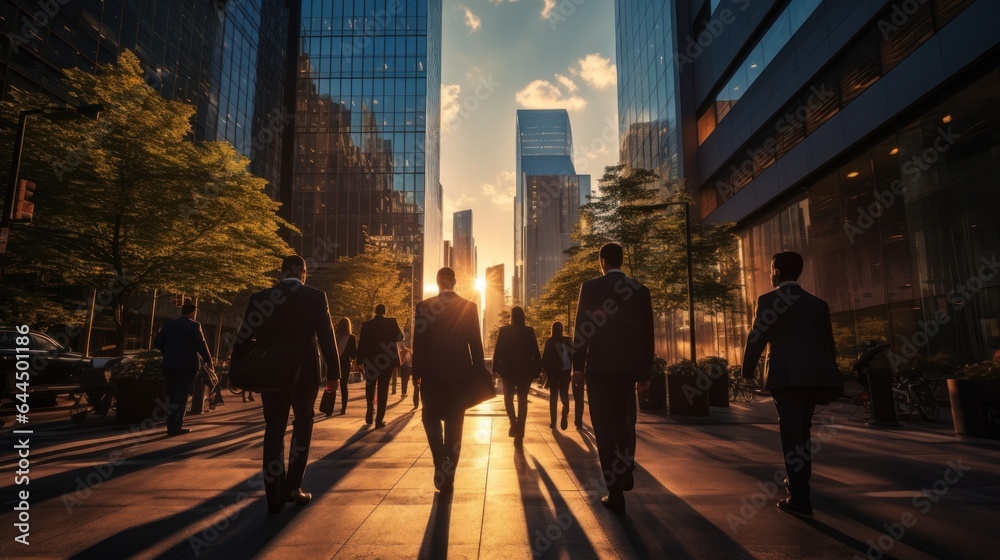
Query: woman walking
[
  {"x": 517, "y": 361},
  {"x": 557, "y": 361},
  {"x": 347, "y": 343}
]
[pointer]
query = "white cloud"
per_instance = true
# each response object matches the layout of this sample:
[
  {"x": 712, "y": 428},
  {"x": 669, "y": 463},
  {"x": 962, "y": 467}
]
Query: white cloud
[
  {"x": 501, "y": 191},
  {"x": 472, "y": 21},
  {"x": 498, "y": 2},
  {"x": 567, "y": 82},
  {"x": 548, "y": 8},
  {"x": 597, "y": 71},
  {"x": 449, "y": 105},
  {"x": 543, "y": 94}
]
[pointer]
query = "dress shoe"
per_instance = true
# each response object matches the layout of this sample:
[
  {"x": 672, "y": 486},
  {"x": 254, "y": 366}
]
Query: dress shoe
[
  {"x": 379, "y": 425},
  {"x": 565, "y": 422},
  {"x": 579, "y": 424},
  {"x": 513, "y": 430},
  {"x": 343, "y": 412},
  {"x": 552, "y": 425},
  {"x": 448, "y": 487},
  {"x": 275, "y": 509},
  {"x": 798, "y": 510},
  {"x": 614, "y": 503},
  {"x": 178, "y": 432},
  {"x": 518, "y": 440},
  {"x": 368, "y": 418},
  {"x": 299, "y": 497}
]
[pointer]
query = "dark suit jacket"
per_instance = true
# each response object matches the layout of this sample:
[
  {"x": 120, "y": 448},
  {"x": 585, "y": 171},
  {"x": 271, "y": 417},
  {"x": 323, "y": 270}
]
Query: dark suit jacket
[
  {"x": 614, "y": 328},
  {"x": 377, "y": 343},
  {"x": 516, "y": 354},
  {"x": 181, "y": 341},
  {"x": 796, "y": 327},
  {"x": 552, "y": 355},
  {"x": 446, "y": 348},
  {"x": 306, "y": 322}
]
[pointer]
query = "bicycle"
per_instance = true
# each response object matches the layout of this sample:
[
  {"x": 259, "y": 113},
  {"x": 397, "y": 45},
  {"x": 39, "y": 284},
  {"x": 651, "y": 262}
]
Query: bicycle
[{"x": 741, "y": 388}]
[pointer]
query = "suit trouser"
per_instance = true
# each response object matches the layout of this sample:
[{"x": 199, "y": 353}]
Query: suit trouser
[
  {"x": 613, "y": 414},
  {"x": 578, "y": 397},
  {"x": 559, "y": 390},
  {"x": 277, "y": 479},
  {"x": 520, "y": 387},
  {"x": 444, "y": 436},
  {"x": 795, "y": 408},
  {"x": 377, "y": 385},
  {"x": 345, "y": 376},
  {"x": 179, "y": 383}
]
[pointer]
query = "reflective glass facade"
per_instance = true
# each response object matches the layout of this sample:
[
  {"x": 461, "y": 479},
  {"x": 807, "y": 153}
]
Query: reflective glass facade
[
  {"x": 648, "y": 77},
  {"x": 547, "y": 199},
  {"x": 902, "y": 239},
  {"x": 366, "y": 170},
  {"x": 226, "y": 58},
  {"x": 463, "y": 254}
]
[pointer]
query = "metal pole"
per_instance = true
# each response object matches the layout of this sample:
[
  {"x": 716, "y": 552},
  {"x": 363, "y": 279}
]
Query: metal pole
[
  {"x": 15, "y": 169},
  {"x": 690, "y": 271},
  {"x": 89, "y": 326},
  {"x": 152, "y": 320}
]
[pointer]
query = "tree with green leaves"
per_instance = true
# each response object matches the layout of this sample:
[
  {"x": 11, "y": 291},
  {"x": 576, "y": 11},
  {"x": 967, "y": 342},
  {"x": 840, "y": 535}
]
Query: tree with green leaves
[
  {"x": 355, "y": 285},
  {"x": 130, "y": 204}
]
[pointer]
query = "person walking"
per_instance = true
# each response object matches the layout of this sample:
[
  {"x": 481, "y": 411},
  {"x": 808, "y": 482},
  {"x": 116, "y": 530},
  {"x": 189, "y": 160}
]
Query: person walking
[
  {"x": 447, "y": 349},
  {"x": 347, "y": 344},
  {"x": 406, "y": 370},
  {"x": 517, "y": 361},
  {"x": 558, "y": 366},
  {"x": 378, "y": 354},
  {"x": 800, "y": 371},
  {"x": 182, "y": 342},
  {"x": 307, "y": 323},
  {"x": 614, "y": 345}
]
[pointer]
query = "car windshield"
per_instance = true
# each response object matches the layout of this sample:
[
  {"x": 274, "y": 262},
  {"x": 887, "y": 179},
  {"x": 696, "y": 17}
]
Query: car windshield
[{"x": 44, "y": 343}]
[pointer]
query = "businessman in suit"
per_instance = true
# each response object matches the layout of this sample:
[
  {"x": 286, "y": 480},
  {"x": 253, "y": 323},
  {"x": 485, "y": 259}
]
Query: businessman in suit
[
  {"x": 378, "y": 353},
  {"x": 446, "y": 348},
  {"x": 801, "y": 368},
  {"x": 290, "y": 312},
  {"x": 182, "y": 342},
  {"x": 614, "y": 352}
]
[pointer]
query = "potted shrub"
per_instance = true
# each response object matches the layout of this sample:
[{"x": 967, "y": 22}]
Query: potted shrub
[
  {"x": 683, "y": 392},
  {"x": 717, "y": 370},
  {"x": 655, "y": 398},
  {"x": 141, "y": 389},
  {"x": 975, "y": 400}
]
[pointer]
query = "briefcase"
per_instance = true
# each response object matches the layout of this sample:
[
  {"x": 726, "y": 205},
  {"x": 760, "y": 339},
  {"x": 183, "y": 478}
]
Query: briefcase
[
  {"x": 326, "y": 403},
  {"x": 480, "y": 387}
]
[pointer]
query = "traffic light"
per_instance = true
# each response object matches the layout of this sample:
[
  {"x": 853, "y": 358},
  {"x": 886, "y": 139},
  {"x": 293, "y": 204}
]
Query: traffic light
[{"x": 24, "y": 210}]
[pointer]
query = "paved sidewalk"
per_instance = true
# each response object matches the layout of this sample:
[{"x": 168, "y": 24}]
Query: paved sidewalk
[{"x": 703, "y": 490}]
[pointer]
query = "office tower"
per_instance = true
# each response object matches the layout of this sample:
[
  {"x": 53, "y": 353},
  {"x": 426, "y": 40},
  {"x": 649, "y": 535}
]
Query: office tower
[
  {"x": 447, "y": 253},
  {"x": 463, "y": 258},
  {"x": 494, "y": 301},
  {"x": 547, "y": 199},
  {"x": 366, "y": 164},
  {"x": 860, "y": 134}
]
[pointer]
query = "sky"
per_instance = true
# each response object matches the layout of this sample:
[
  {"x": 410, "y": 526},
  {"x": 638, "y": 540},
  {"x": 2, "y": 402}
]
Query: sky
[{"x": 503, "y": 55}]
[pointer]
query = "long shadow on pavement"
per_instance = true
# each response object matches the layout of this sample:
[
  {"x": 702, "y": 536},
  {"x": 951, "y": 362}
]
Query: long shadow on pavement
[
  {"x": 238, "y": 539},
  {"x": 658, "y": 523},
  {"x": 435, "y": 543}
]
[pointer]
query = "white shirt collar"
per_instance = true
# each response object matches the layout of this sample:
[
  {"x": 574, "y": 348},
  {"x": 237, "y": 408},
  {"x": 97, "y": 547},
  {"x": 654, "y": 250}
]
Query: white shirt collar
[
  {"x": 610, "y": 270},
  {"x": 787, "y": 283},
  {"x": 446, "y": 292},
  {"x": 291, "y": 280}
]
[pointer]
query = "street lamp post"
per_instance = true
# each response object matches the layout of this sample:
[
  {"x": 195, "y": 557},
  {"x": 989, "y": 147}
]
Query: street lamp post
[
  {"x": 690, "y": 266},
  {"x": 55, "y": 113}
]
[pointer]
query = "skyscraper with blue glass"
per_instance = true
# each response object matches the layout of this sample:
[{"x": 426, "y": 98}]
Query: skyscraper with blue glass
[
  {"x": 547, "y": 199},
  {"x": 366, "y": 156}
]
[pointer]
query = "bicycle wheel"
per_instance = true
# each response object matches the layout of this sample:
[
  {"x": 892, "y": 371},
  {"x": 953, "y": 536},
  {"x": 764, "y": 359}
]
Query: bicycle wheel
[
  {"x": 748, "y": 394},
  {"x": 902, "y": 403},
  {"x": 234, "y": 390},
  {"x": 734, "y": 391},
  {"x": 80, "y": 409},
  {"x": 927, "y": 406}
]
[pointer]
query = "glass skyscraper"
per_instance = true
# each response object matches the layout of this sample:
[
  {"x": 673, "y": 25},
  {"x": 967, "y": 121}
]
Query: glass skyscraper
[
  {"x": 547, "y": 199},
  {"x": 367, "y": 132}
]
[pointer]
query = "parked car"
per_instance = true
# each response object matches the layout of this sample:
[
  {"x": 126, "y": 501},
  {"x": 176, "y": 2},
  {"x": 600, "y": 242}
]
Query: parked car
[{"x": 54, "y": 367}]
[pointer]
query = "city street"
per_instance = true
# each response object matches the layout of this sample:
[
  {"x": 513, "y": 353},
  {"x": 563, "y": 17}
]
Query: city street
[{"x": 705, "y": 489}]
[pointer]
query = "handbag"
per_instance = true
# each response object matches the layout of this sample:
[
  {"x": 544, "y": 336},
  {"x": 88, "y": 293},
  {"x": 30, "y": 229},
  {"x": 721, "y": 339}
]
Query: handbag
[
  {"x": 326, "y": 403},
  {"x": 479, "y": 388},
  {"x": 265, "y": 368}
]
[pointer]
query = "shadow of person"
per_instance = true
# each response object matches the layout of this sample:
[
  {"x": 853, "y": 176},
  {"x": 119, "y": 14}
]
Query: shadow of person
[
  {"x": 435, "y": 543},
  {"x": 658, "y": 524}
]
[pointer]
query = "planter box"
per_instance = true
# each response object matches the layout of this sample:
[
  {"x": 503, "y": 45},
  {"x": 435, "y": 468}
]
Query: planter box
[
  {"x": 975, "y": 407},
  {"x": 139, "y": 399},
  {"x": 718, "y": 393},
  {"x": 685, "y": 397},
  {"x": 654, "y": 398}
]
